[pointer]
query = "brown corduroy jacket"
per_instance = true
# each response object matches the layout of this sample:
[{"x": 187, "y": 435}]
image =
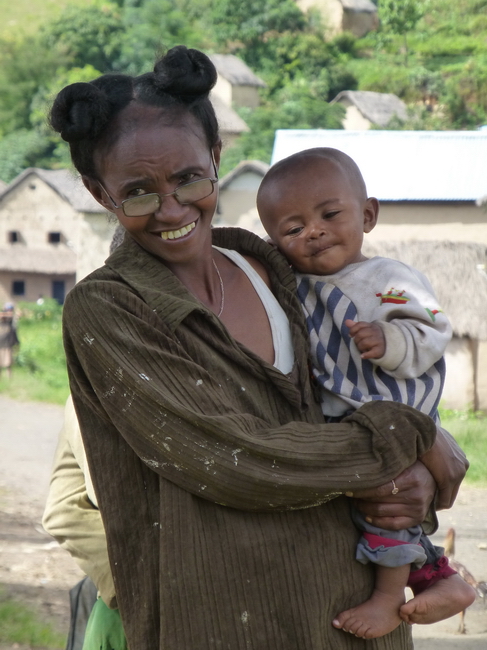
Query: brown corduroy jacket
[{"x": 214, "y": 471}]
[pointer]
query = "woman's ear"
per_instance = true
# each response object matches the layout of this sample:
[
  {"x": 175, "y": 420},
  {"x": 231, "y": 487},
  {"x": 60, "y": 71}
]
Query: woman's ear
[
  {"x": 216, "y": 154},
  {"x": 371, "y": 213},
  {"x": 97, "y": 192}
]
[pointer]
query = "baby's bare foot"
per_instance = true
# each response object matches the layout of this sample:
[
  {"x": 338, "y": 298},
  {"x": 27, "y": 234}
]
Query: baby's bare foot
[
  {"x": 375, "y": 617},
  {"x": 445, "y": 598}
]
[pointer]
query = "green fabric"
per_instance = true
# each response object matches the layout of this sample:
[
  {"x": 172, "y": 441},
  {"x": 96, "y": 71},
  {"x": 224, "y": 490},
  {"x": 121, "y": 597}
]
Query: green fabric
[{"x": 104, "y": 630}]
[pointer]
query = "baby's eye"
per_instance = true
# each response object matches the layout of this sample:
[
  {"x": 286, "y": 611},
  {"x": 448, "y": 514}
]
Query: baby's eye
[
  {"x": 295, "y": 231},
  {"x": 331, "y": 214}
]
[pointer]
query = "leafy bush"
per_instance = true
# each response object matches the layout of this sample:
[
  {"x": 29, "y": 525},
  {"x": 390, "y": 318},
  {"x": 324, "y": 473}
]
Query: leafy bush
[{"x": 45, "y": 309}]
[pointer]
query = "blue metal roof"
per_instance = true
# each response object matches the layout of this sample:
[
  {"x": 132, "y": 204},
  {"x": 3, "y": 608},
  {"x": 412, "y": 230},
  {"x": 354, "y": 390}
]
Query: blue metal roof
[{"x": 404, "y": 165}]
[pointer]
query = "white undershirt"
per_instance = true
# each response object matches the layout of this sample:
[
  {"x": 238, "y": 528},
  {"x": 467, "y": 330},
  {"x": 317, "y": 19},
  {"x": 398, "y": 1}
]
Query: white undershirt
[{"x": 281, "y": 332}]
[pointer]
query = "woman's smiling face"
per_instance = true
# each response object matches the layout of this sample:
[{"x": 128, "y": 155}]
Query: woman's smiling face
[{"x": 154, "y": 154}]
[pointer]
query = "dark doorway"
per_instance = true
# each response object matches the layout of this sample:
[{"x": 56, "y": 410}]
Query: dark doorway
[{"x": 58, "y": 291}]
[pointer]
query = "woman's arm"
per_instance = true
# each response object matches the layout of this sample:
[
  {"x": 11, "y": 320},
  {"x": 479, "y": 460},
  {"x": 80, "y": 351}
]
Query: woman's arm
[{"x": 196, "y": 418}]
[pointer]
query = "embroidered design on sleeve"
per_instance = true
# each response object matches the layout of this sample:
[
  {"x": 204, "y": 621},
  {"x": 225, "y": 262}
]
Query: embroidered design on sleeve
[
  {"x": 432, "y": 313},
  {"x": 394, "y": 296}
]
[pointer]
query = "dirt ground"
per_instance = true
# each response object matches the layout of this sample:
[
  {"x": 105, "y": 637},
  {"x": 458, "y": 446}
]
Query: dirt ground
[{"x": 34, "y": 570}]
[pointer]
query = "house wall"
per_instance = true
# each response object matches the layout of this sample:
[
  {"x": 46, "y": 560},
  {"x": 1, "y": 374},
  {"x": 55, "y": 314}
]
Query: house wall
[
  {"x": 481, "y": 376},
  {"x": 337, "y": 20},
  {"x": 360, "y": 22},
  {"x": 459, "y": 391},
  {"x": 95, "y": 236},
  {"x": 236, "y": 95},
  {"x": 423, "y": 221},
  {"x": 238, "y": 198},
  {"x": 37, "y": 285},
  {"x": 34, "y": 209},
  {"x": 223, "y": 90},
  {"x": 331, "y": 11},
  {"x": 354, "y": 120},
  {"x": 245, "y": 96}
]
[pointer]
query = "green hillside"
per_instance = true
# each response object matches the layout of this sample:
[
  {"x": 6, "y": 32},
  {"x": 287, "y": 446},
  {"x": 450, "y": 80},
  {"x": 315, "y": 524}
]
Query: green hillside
[
  {"x": 430, "y": 53},
  {"x": 27, "y": 15}
]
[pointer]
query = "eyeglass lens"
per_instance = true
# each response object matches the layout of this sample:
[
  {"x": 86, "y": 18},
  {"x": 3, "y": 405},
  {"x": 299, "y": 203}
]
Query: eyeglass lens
[{"x": 139, "y": 206}]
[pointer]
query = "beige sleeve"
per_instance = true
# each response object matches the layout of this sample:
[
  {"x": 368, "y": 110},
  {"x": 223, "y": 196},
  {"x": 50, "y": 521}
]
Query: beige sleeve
[{"x": 70, "y": 515}]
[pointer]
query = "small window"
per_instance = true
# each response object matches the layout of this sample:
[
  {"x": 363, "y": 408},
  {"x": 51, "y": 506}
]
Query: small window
[
  {"x": 18, "y": 288},
  {"x": 13, "y": 236},
  {"x": 54, "y": 237}
]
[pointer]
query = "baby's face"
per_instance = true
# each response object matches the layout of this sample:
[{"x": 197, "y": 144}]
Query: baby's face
[{"x": 316, "y": 218}]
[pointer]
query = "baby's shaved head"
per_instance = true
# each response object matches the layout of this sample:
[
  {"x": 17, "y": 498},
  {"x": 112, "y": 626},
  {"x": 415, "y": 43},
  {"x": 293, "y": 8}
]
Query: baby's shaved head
[{"x": 284, "y": 169}]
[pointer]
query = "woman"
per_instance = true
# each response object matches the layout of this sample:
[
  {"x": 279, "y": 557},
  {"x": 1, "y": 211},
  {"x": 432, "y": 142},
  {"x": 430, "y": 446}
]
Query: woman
[{"x": 187, "y": 359}]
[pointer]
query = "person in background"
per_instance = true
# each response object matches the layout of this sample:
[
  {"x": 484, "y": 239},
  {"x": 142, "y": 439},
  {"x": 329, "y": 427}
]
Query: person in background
[
  {"x": 377, "y": 332},
  {"x": 221, "y": 489},
  {"x": 8, "y": 339}
]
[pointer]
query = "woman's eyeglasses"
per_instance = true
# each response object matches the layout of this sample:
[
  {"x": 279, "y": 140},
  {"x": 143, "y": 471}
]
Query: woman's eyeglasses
[{"x": 141, "y": 206}]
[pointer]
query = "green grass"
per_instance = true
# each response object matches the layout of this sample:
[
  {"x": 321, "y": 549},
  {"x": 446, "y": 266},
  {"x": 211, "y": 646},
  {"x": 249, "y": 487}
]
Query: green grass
[
  {"x": 22, "y": 625},
  {"x": 39, "y": 373},
  {"x": 470, "y": 431}
]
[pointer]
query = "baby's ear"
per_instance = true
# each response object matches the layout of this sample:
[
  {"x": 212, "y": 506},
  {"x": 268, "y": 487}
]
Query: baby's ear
[{"x": 371, "y": 213}]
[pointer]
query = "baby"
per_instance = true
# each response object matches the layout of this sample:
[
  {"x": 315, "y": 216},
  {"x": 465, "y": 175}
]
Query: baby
[{"x": 376, "y": 332}]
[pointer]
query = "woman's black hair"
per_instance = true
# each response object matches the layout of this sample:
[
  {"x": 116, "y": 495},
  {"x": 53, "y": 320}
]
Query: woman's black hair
[{"x": 83, "y": 113}]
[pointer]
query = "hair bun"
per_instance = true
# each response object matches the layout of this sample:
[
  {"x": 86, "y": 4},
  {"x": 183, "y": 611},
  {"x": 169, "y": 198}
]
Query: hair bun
[
  {"x": 80, "y": 110},
  {"x": 185, "y": 73}
]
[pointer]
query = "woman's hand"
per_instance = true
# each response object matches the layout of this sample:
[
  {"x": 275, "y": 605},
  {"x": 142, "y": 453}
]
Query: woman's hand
[
  {"x": 448, "y": 465},
  {"x": 416, "y": 489},
  {"x": 441, "y": 470}
]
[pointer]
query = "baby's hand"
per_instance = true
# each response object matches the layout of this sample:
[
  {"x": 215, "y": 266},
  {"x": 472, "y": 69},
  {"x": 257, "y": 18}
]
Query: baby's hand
[{"x": 368, "y": 337}]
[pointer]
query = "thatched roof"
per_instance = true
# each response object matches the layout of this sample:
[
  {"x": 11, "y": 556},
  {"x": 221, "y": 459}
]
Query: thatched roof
[
  {"x": 66, "y": 183},
  {"x": 378, "y": 108},
  {"x": 457, "y": 272},
  {"x": 235, "y": 71},
  {"x": 229, "y": 120},
  {"x": 358, "y": 6},
  {"x": 256, "y": 166},
  {"x": 61, "y": 260}
]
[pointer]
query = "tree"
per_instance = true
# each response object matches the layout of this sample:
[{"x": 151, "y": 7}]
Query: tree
[
  {"x": 87, "y": 35},
  {"x": 25, "y": 65},
  {"x": 300, "y": 105},
  {"x": 247, "y": 23},
  {"x": 151, "y": 28},
  {"x": 400, "y": 17},
  {"x": 19, "y": 150}
]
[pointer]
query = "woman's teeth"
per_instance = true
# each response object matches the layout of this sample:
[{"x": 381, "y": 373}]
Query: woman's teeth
[{"x": 176, "y": 234}]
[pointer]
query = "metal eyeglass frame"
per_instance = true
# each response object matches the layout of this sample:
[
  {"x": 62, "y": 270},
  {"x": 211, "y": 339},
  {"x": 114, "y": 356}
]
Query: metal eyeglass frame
[{"x": 152, "y": 195}]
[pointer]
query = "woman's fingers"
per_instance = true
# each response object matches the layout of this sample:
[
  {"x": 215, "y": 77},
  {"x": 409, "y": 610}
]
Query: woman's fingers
[
  {"x": 448, "y": 464},
  {"x": 402, "y": 502}
]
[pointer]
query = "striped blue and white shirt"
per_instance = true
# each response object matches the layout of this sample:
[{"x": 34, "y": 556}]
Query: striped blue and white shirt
[{"x": 401, "y": 300}]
